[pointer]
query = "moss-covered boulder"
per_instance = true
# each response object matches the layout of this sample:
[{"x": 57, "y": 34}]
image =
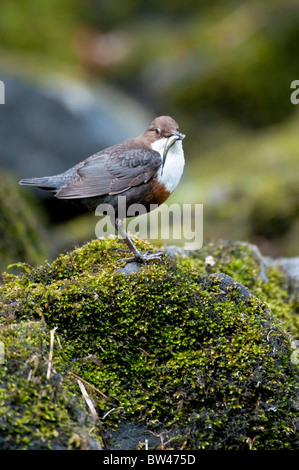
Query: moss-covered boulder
[{"x": 198, "y": 349}]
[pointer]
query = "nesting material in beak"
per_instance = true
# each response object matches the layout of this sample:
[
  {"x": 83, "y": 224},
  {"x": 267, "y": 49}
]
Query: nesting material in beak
[{"x": 171, "y": 140}]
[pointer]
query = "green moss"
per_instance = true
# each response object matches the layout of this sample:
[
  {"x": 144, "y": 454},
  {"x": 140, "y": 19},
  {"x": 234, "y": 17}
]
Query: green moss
[
  {"x": 37, "y": 412},
  {"x": 180, "y": 348},
  {"x": 244, "y": 263}
]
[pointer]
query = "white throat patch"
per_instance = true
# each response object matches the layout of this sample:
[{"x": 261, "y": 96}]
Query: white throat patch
[{"x": 174, "y": 164}]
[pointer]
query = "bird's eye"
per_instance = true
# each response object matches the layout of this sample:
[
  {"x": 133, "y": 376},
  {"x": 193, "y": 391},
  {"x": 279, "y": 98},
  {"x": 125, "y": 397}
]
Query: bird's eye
[{"x": 158, "y": 131}]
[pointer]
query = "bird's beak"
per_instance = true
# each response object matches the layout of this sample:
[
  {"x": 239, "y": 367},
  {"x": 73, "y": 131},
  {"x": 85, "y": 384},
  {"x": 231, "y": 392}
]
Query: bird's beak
[{"x": 171, "y": 140}]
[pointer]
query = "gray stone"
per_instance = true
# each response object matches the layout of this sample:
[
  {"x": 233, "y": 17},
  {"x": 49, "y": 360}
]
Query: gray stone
[
  {"x": 289, "y": 265},
  {"x": 227, "y": 284},
  {"x": 130, "y": 268},
  {"x": 175, "y": 251}
]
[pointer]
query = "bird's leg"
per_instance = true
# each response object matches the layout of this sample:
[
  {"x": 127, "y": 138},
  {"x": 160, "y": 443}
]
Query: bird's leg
[
  {"x": 138, "y": 256},
  {"x": 126, "y": 238}
]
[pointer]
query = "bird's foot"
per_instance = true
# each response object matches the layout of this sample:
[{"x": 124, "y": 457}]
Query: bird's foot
[{"x": 143, "y": 257}]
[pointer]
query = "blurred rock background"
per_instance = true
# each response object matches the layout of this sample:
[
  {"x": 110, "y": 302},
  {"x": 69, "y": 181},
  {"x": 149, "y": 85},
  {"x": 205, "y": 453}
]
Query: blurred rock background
[{"x": 82, "y": 75}]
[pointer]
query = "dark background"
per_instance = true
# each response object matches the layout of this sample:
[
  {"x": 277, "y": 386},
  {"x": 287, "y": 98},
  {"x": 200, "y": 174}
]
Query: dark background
[{"x": 82, "y": 75}]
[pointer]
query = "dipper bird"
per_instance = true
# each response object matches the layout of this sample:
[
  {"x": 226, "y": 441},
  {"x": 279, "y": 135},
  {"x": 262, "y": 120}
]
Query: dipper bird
[{"x": 145, "y": 170}]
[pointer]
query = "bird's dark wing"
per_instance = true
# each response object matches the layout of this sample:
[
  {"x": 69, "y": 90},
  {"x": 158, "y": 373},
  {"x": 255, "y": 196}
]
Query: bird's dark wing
[{"x": 108, "y": 173}]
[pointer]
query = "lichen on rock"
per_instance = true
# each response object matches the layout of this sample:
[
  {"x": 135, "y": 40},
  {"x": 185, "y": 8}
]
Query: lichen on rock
[{"x": 200, "y": 353}]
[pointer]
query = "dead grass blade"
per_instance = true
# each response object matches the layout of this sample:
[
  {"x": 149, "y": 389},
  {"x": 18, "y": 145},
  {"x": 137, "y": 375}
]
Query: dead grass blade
[{"x": 52, "y": 333}]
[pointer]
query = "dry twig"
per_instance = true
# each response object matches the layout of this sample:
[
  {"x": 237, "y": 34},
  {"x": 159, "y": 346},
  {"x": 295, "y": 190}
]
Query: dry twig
[
  {"x": 52, "y": 333},
  {"x": 87, "y": 383},
  {"x": 144, "y": 351},
  {"x": 92, "y": 410},
  {"x": 161, "y": 437}
]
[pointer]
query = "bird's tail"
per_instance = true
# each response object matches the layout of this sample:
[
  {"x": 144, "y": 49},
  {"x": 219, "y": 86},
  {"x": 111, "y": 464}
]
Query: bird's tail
[{"x": 43, "y": 183}]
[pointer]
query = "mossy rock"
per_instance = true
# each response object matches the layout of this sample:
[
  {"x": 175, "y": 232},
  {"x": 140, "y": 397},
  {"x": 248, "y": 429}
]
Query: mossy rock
[
  {"x": 37, "y": 412},
  {"x": 200, "y": 356},
  {"x": 20, "y": 231},
  {"x": 244, "y": 262}
]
